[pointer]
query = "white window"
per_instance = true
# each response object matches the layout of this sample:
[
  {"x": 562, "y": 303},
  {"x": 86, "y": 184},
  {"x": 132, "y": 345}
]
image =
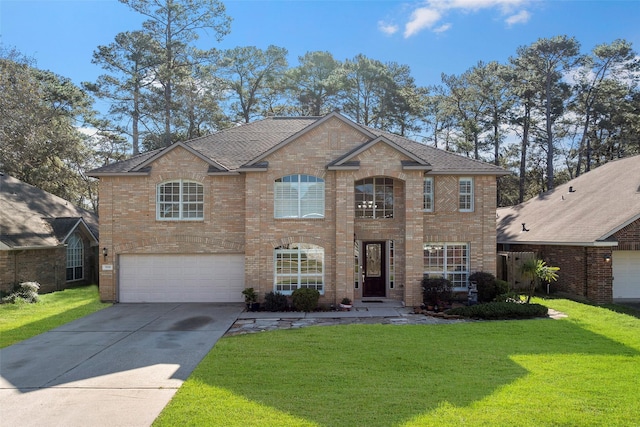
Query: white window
[
  {"x": 428, "y": 194},
  {"x": 299, "y": 196},
  {"x": 75, "y": 258},
  {"x": 299, "y": 265},
  {"x": 180, "y": 200},
  {"x": 466, "y": 194},
  {"x": 448, "y": 260},
  {"x": 374, "y": 198}
]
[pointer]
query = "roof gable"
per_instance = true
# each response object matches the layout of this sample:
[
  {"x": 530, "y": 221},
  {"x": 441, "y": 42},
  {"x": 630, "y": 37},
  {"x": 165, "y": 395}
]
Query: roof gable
[
  {"x": 319, "y": 122},
  {"x": 31, "y": 217},
  {"x": 347, "y": 161},
  {"x": 213, "y": 165}
]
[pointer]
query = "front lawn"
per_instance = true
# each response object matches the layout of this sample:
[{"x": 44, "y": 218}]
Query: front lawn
[
  {"x": 21, "y": 321},
  {"x": 583, "y": 370}
]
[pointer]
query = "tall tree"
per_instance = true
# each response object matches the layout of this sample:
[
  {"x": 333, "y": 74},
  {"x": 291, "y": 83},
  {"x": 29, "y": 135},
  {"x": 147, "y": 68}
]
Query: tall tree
[
  {"x": 248, "y": 72},
  {"x": 41, "y": 116},
  {"x": 175, "y": 25},
  {"x": 313, "y": 85},
  {"x": 130, "y": 60},
  {"x": 546, "y": 60},
  {"x": 363, "y": 89},
  {"x": 615, "y": 61}
]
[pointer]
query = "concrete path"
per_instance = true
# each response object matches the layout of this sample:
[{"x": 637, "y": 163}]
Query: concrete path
[{"x": 116, "y": 367}]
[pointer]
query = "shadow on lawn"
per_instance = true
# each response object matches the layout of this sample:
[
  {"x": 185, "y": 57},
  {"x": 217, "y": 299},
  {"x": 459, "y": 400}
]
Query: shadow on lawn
[
  {"x": 32, "y": 329},
  {"x": 384, "y": 374}
]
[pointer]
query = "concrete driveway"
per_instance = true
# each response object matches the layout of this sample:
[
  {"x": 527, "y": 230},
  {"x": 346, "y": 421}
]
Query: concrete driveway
[{"x": 117, "y": 367}]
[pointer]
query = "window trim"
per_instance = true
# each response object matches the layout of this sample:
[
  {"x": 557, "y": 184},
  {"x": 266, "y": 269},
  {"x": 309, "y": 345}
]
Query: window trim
[
  {"x": 470, "y": 195},
  {"x": 75, "y": 258},
  {"x": 316, "y": 202},
  {"x": 181, "y": 202},
  {"x": 430, "y": 194},
  {"x": 372, "y": 199},
  {"x": 299, "y": 249},
  {"x": 445, "y": 272}
]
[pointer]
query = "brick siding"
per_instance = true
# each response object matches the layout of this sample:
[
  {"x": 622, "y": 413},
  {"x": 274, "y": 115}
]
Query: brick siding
[{"x": 239, "y": 214}]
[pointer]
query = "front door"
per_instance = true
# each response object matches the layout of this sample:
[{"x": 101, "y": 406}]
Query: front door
[{"x": 374, "y": 269}]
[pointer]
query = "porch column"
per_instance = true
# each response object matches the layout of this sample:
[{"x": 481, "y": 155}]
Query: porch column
[
  {"x": 414, "y": 237},
  {"x": 344, "y": 221}
]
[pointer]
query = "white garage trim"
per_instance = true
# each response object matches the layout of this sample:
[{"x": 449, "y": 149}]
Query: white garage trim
[
  {"x": 626, "y": 275},
  {"x": 181, "y": 278}
]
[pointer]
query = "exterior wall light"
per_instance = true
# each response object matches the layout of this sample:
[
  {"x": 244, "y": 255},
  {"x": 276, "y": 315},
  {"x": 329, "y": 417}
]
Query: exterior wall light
[{"x": 607, "y": 258}]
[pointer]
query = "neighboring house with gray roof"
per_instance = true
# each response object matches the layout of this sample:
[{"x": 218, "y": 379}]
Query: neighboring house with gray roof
[
  {"x": 589, "y": 227},
  {"x": 290, "y": 202},
  {"x": 44, "y": 238}
]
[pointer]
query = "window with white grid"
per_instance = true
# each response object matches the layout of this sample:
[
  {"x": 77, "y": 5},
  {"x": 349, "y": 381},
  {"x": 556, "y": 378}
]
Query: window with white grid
[
  {"x": 298, "y": 196},
  {"x": 298, "y": 265},
  {"x": 374, "y": 198},
  {"x": 75, "y": 258},
  {"x": 180, "y": 200},
  {"x": 448, "y": 260},
  {"x": 465, "y": 186},
  {"x": 428, "y": 194}
]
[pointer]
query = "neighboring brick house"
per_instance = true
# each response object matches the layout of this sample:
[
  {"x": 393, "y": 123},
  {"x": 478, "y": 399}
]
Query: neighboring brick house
[
  {"x": 44, "y": 238},
  {"x": 281, "y": 203},
  {"x": 589, "y": 227}
]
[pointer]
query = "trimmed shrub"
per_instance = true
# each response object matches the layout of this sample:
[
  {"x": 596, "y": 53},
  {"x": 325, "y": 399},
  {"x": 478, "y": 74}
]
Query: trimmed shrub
[
  {"x": 275, "y": 301},
  {"x": 487, "y": 289},
  {"x": 23, "y": 292},
  {"x": 500, "y": 310},
  {"x": 502, "y": 286},
  {"x": 305, "y": 299},
  {"x": 436, "y": 290}
]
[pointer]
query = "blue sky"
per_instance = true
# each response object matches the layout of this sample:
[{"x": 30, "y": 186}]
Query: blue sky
[{"x": 432, "y": 37}]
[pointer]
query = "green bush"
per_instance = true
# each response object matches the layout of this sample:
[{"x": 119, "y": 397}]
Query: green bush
[
  {"x": 500, "y": 310},
  {"x": 275, "y": 301},
  {"x": 436, "y": 290},
  {"x": 487, "y": 289},
  {"x": 502, "y": 286},
  {"x": 305, "y": 299},
  {"x": 23, "y": 292}
]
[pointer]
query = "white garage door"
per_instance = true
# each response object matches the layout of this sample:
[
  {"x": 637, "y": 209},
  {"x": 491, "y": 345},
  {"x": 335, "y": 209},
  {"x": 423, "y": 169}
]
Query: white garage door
[
  {"x": 626, "y": 275},
  {"x": 181, "y": 278}
]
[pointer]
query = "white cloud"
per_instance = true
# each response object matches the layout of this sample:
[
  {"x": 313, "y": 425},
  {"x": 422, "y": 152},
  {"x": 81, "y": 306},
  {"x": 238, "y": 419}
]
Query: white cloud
[
  {"x": 421, "y": 18},
  {"x": 442, "y": 28},
  {"x": 429, "y": 14},
  {"x": 388, "y": 29},
  {"x": 521, "y": 17}
]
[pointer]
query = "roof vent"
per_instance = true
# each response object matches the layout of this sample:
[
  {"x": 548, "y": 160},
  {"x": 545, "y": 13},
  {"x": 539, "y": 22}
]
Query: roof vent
[
  {"x": 571, "y": 190},
  {"x": 524, "y": 228}
]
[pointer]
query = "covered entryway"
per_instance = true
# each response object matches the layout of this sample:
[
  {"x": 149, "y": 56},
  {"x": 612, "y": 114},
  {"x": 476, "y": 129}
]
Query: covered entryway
[
  {"x": 181, "y": 278},
  {"x": 626, "y": 275}
]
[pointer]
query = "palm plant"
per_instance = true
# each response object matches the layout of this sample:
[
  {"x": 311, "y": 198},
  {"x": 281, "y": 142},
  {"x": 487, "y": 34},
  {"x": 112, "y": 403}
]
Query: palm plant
[{"x": 536, "y": 270}]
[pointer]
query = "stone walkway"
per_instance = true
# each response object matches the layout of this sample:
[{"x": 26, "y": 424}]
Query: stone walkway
[{"x": 251, "y": 322}]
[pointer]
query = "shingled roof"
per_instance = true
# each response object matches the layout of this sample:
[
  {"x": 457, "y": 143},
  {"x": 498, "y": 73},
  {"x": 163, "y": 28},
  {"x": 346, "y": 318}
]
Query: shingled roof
[
  {"x": 586, "y": 211},
  {"x": 33, "y": 218},
  {"x": 237, "y": 148}
]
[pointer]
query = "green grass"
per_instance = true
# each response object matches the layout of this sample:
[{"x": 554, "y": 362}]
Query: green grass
[
  {"x": 580, "y": 371},
  {"x": 21, "y": 321}
]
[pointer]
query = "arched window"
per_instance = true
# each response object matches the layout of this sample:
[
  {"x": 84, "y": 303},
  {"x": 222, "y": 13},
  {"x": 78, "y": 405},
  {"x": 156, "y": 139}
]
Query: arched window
[
  {"x": 374, "y": 198},
  {"x": 298, "y": 196},
  {"x": 298, "y": 265},
  {"x": 75, "y": 258},
  {"x": 180, "y": 200}
]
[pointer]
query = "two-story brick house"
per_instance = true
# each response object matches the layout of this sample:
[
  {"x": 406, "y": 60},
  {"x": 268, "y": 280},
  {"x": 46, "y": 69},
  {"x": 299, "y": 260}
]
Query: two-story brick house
[{"x": 281, "y": 203}]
